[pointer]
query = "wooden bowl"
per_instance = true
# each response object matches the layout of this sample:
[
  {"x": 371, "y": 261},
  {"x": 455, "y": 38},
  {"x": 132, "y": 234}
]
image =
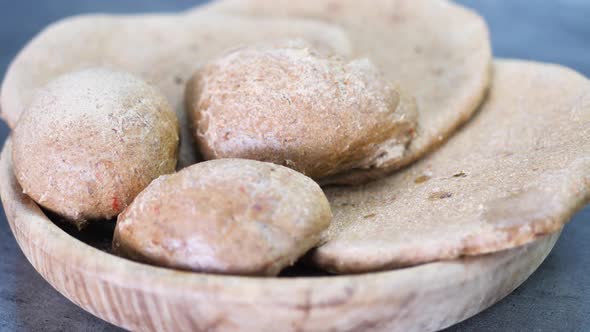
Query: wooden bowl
[{"x": 142, "y": 297}]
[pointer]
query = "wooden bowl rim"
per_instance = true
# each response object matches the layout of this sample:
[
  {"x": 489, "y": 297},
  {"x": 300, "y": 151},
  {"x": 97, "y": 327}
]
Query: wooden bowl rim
[{"x": 28, "y": 220}]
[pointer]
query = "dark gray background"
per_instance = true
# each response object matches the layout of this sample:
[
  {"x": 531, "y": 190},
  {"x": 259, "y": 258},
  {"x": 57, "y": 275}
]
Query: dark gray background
[{"x": 555, "y": 298}]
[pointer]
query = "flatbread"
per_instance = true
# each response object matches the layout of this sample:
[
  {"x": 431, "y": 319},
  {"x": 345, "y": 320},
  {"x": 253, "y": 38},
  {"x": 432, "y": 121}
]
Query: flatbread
[
  {"x": 517, "y": 171},
  {"x": 162, "y": 49},
  {"x": 437, "y": 51}
]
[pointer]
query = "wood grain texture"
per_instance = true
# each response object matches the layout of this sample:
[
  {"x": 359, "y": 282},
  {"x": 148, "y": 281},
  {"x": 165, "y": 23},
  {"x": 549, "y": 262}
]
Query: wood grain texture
[{"x": 141, "y": 297}]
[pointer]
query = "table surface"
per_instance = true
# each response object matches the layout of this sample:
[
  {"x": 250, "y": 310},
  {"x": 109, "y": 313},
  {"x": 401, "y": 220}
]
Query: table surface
[{"x": 555, "y": 298}]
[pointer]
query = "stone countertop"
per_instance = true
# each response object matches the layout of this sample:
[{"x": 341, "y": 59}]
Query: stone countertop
[{"x": 555, "y": 298}]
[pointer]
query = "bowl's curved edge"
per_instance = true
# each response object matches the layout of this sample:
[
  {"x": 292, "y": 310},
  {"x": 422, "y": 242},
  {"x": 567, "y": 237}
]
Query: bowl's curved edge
[{"x": 142, "y": 297}]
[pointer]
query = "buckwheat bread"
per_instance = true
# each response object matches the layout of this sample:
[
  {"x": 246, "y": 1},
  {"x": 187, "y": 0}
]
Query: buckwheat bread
[
  {"x": 519, "y": 170},
  {"x": 439, "y": 52},
  {"x": 91, "y": 140},
  {"x": 164, "y": 50}
]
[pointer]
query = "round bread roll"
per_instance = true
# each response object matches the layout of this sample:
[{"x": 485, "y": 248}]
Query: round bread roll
[
  {"x": 91, "y": 140},
  {"x": 294, "y": 106},
  {"x": 228, "y": 216},
  {"x": 134, "y": 44}
]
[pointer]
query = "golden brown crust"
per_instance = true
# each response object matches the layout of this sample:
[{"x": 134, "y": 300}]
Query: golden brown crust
[
  {"x": 229, "y": 216},
  {"x": 294, "y": 106},
  {"x": 92, "y": 140}
]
